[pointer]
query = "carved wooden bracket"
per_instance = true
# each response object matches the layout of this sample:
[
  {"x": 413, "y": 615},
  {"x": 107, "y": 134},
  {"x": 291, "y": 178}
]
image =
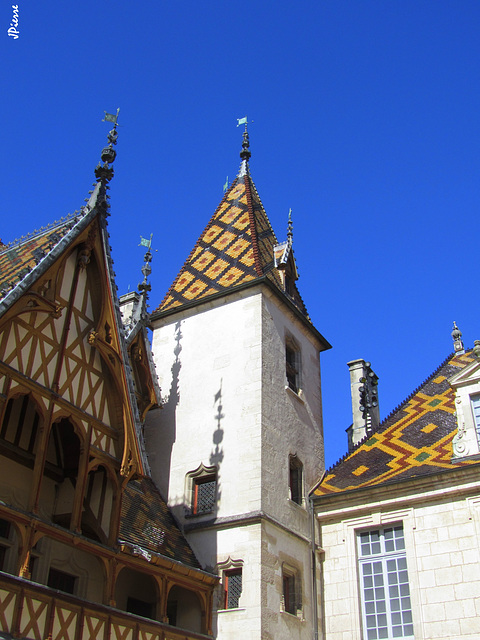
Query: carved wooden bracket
[
  {"x": 108, "y": 353},
  {"x": 35, "y": 302}
]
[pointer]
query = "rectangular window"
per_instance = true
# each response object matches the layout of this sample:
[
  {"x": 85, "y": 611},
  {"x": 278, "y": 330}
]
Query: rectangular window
[
  {"x": 385, "y": 592},
  {"x": 292, "y": 366},
  {"x": 204, "y": 490},
  {"x": 233, "y": 588},
  {"x": 296, "y": 480},
  {"x": 139, "y": 607},
  {"x": 61, "y": 581},
  {"x": 292, "y": 592},
  {"x": 476, "y": 415}
]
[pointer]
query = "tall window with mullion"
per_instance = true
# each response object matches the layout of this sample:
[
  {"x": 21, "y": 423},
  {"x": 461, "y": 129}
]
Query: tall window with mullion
[
  {"x": 385, "y": 591},
  {"x": 476, "y": 415}
]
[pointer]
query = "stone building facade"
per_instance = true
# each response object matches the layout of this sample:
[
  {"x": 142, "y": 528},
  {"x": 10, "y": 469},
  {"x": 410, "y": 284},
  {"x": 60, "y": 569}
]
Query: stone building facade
[{"x": 399, "y": 521}]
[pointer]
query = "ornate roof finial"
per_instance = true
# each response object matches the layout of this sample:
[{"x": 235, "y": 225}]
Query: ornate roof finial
[
  {"x": 108, "y": 155},
  {"x": 457, "y": 340},
  {"x": 476, "y": 349},
  {"x": 144, "y": 287},
  {"x": 245, "y": 153},
  {"x": 290, "y": 227}
]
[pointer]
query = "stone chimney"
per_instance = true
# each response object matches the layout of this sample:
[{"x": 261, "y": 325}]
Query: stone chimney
[{"x": 365, "y": 409}]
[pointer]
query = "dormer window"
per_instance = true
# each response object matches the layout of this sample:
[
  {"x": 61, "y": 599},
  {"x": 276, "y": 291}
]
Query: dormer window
[{"x": 466, "y": 386}]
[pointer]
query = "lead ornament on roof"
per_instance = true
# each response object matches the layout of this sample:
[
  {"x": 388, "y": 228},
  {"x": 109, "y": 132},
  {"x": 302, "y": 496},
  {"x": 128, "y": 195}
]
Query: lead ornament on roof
[
  {"x": 290, "y": 227},
  {"x": 108, "y": 154},
  {"x": 457, "y": 339}
]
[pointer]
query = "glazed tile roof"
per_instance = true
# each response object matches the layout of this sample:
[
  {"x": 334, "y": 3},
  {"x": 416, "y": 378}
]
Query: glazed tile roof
[
  {"x": 236, "y": 247},
  {"x": 20, "y": 257},
  {"x": 414, "y": 440},
  {"x": 147, "y": 522}
]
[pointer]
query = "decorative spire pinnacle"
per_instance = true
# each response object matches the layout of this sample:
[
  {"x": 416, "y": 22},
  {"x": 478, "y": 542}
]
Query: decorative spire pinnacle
[
  {"x": 245, "y": 153},
  {"x": 457, "y": 340},
  {"x": 108, "y": 155},
  {"x": 290, "y": 227},
  {"x": 144, "y": 287},
  {"x": 476, "y": 349}
]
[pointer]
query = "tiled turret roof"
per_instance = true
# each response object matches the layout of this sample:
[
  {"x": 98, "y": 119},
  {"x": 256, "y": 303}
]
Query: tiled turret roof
[
  {"x": 236, "y": 247},
  {"x": 414, "y": 440}
]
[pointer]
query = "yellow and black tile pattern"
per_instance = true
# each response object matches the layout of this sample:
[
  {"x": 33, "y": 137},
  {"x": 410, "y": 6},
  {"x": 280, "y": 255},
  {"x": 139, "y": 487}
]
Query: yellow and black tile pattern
[
  {"x": 236, "y": 247},
  {"x": 17, "y": 260},
  {"x": 415, "y": 440}
]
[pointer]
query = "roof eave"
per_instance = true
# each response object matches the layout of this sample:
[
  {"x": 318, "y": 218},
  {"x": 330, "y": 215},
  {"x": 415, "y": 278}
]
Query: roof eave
[{"x": 157, "y": 315}]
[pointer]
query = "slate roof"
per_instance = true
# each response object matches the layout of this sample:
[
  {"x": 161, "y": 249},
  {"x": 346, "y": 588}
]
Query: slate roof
[
  {"x": 146, "y": 521},
  {"x": 236, "y": 247},
  {"x": 414, "y": 440}
]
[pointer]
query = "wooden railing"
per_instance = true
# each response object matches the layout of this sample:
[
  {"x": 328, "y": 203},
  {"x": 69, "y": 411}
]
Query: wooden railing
[{"x": 29, "y": 610}]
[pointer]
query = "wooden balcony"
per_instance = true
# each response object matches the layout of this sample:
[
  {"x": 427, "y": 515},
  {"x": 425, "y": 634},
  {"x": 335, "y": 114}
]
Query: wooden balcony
[{"x": 35, "y": 612}]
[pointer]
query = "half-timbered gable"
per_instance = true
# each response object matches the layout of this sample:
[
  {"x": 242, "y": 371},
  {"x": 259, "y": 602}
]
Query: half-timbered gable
[{"x": 78, "y": 514}]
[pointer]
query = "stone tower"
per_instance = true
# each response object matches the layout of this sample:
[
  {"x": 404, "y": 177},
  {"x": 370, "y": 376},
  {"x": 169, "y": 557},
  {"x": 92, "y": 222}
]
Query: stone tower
[{"x": 239, "y": 442}]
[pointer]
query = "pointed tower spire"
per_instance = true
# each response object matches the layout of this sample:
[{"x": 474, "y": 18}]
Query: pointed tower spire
[{"x": 290, "y": 228}]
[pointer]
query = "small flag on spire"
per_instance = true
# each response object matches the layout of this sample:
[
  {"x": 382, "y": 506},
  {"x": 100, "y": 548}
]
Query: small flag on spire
[
  {"x": 241, "y": 121},
  {"x": 145, "y": 242},
  {"x": 225, "y": 186},
  {"x": 110, "y": 117}
]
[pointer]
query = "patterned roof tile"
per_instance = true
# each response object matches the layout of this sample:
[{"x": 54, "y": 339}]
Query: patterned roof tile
[
  {"x": 414, "y": 440},
  {"x": 235, "y": 248},
  {"x": 19, "y": 258},
  {"x": 147, "y": 522}
]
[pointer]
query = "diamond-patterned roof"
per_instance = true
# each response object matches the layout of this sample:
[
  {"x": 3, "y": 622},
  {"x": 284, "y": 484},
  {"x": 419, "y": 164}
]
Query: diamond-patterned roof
[
  {"x": 414, "y": 440},
  {"x": 19, "y": 258},
  {"x": 235, "y": 248}
]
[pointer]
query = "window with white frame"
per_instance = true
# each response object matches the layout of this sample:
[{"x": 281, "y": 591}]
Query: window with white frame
[
  {"x": 385, "y": 592},
  {"x": 476, "y": 415}
]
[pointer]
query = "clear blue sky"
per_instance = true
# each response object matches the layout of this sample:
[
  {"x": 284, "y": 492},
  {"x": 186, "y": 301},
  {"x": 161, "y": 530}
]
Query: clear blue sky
[{"x": 367, "y": 124}]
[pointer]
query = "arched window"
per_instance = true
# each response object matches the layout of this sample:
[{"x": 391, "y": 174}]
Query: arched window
[
  {"x": 60, "y": 472},
  {"x": 201, "y": 490},
  {"x": 19, "y": 427},
  {"x": 98, "y": 505},
  {"x": 18, "y": 443},
  {"x": 184, "y": 609},
  {"x": 137, "y": 593}
]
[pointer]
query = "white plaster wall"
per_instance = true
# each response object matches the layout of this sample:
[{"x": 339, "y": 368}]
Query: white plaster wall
[
  {"x": 212, "y": 414},
  {"x": 221, "y": 367},
  {"x": 236, "y": 543},
  {"x": 442, "y": 541}
]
